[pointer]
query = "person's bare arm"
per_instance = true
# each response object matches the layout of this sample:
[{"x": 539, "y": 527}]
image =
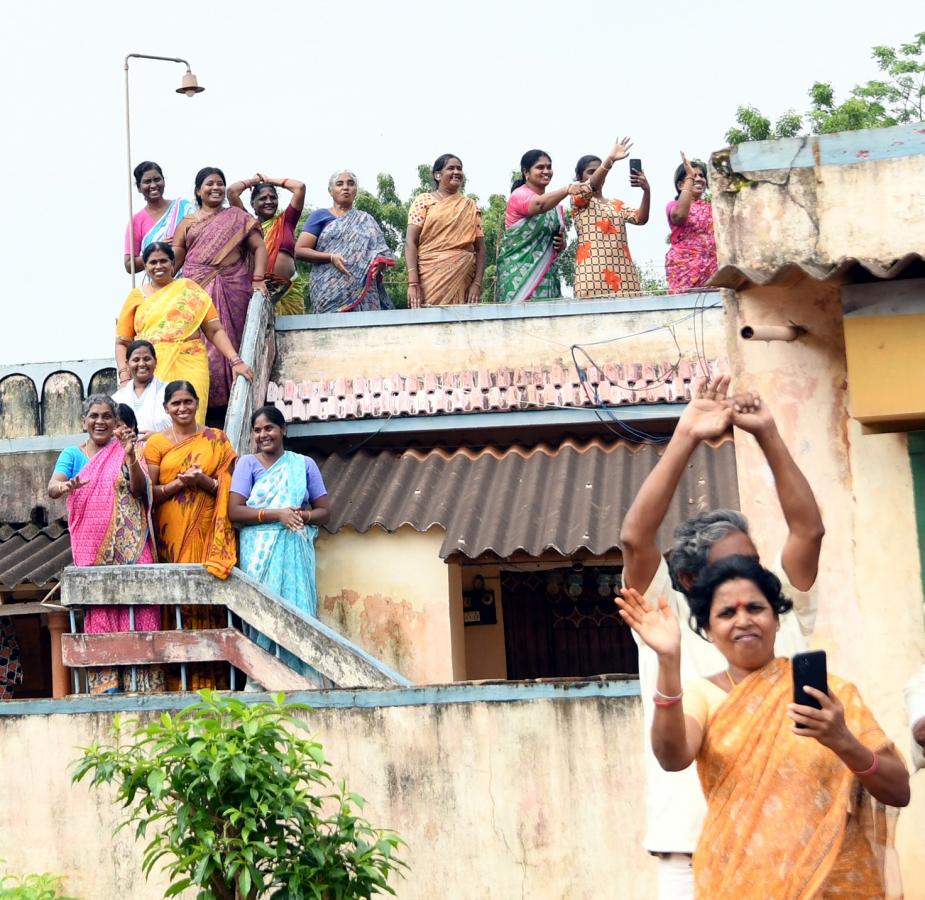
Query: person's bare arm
[
  {"x": 541, "y": 203},
  {"x": 681, "y": 210},
  {"x": 620, "y": 150},
  {"x": 800, "y": 556},
  {"x": 474, "y": 293},
  {"x": 319, "y": 513},
  {"x": 256, "y": 245},
  {"x": 139, "y": 264},
  {"x": 412, "y": 243},
  {"x": 123, "y": 374},
  {"x": 707, "y": 416},
  {"x": 235, "y": 189},
  {"x": 217, "y": 336},
  {"x": 179, "y": 245}
]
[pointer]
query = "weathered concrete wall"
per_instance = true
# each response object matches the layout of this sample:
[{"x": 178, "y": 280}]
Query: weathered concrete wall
[
  {"x": 23, "y": 481},
  {"x": 390, "y": 594},
  {"x": 539, "y": 799},
  {"x": 869, "y": 585},
  {"x": 474, "y": 343},
  {"x": 818, "y": 199}
]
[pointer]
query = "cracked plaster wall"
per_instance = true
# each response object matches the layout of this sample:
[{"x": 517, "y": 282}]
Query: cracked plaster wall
[
  {"x": 818, "y": 215},
  {"x": 538, "y": 799}
]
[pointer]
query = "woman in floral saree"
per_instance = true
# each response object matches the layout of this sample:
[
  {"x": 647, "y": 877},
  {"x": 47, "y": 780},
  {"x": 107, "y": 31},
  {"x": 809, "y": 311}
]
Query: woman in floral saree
[
  {"x": 278, "y": 500},
  {"x": 795, "y": 795},
  {"x": 108, "y": 509},
  {"x": 191, "y": 470},
  {"x": 174, "y": 315},
  {"x": 691, "y": 259},
  {"x": 534, "y": 232},
  {"x": 347, "y": 251},
  {"x": 214, "y": 246}
]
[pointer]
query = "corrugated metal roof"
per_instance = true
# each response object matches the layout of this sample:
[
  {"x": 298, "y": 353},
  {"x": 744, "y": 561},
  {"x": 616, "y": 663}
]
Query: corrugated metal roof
[
  {"x": 33, "y": 555},
  {"x": 564, "y": 498},
  {"x": 846, "y": 270}
]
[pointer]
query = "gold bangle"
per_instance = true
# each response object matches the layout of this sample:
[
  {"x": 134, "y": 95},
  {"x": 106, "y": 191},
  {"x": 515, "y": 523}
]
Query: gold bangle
[{"x": 261, "y": 514}]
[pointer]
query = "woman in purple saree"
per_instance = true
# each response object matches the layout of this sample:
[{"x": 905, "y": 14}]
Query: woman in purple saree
[{"x": 221, "y": 248}]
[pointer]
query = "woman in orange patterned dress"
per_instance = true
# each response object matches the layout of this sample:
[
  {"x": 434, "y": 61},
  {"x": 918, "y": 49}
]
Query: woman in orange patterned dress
[
  {"x": 190, "y": 467},
  {"x": 795, "y": 795},
  {"x": 603, "y": 265}
]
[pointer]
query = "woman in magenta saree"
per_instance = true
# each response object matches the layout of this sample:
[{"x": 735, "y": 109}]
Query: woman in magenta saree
[
  {"x": 108, "y": 512},
  {"x": 221, "y": 249}
]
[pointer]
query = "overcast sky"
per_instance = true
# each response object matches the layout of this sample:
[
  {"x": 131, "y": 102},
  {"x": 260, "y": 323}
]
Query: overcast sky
[{"x": 298, "y": 89}]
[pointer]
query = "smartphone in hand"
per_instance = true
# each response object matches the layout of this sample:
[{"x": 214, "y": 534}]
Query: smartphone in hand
[
  {"x": 809, "y": 669},
  {"x": 635, "y": 166}
]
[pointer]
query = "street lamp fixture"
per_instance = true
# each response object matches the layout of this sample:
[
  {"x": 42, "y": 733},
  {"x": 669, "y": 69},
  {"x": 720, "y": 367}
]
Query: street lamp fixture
[{"x": 189, "y": 86}]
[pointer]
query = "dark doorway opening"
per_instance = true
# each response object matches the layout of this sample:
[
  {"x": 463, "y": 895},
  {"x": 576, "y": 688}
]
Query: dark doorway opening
[{"x": 563, "y": 622}]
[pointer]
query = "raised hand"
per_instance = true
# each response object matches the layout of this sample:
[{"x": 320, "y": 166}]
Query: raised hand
[
  {"x": 709, "y": 413},
  {"x": 126, "y": 437},
  {"x": 559, "y": 242},
  {"x": 621, "y": 149},
  {"x": 750, "y": 414},
  {"x": 658, "y": 628},
  {"x": 638, "y": 179},
  {"x": 688, "y": 168}
]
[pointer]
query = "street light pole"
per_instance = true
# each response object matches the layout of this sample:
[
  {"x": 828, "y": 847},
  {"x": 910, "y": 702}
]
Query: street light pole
[{"x": 188, "y": 86}]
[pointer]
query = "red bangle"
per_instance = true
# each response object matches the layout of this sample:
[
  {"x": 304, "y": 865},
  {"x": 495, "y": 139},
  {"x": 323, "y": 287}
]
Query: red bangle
[
  {"x": 670, "y": 702},
  {"x": 873, "y": 766}
]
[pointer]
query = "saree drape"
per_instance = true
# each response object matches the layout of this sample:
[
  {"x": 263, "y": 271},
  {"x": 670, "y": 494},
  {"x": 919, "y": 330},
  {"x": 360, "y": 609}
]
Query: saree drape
[
  {"x": 358, "y": 239},
  {"x": 785, "y": 817},
  {"x": 171, "y": 319},
  {"x": 446, "y": 254},
  {"x": 217, "y": 260},
  {"x": 527, "y": 256},
  {"x": 691, "y": 259},
  {"x": 193, "y": 527},
  {"x": 163, "y": 229},
  {"x": 283, "y": 561},
  {"x": 110, "y": 527},
  {"x": 288, "y": 297}
]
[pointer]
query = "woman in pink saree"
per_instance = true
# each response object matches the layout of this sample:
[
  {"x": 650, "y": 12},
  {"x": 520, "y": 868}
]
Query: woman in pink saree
[
  {"x": 221, "y": 248},
  {"x": 108, "y": 511}
]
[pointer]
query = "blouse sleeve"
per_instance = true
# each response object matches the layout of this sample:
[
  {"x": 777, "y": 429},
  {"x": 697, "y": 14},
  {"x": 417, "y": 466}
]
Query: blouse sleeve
[
  {"x": 518, "y": 204},
  {"x": 69, "y": 462},
  {"x": 154, "y": 450},
  {"x": 242, "y": 480},
  {"x": 211, "y": 314},
  {"x": 314, "y": 480},
  {"x": 316, "y": 222},
  {"x": 695, "y": 702},
  {"x": 417, "y": 214},
  {"x": 125, "y": 324}
]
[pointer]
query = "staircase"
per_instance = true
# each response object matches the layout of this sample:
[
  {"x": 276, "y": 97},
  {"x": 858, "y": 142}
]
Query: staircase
[{"x": 332, "y": 660}]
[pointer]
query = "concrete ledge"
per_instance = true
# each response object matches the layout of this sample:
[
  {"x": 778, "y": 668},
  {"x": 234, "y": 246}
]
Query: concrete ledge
[
  {"x": 491, "y": 311},
  {"x": 616, "y": 688}
]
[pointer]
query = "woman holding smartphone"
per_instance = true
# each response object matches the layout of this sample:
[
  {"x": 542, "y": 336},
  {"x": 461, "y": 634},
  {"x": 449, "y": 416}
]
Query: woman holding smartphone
[
  {"x": 807, "y": 786},
  {"x": 603, "y": 265}
]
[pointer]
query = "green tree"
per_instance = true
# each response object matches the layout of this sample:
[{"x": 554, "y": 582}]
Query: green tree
[
  {"x": 896, "y": 97},
  {"x": 240, "y": 805},
  {"x": 32, "y": 887}
]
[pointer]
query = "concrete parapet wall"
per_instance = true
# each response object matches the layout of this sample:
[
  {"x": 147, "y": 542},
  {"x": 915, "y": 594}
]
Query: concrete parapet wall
[{"x": 502, "y": 791}]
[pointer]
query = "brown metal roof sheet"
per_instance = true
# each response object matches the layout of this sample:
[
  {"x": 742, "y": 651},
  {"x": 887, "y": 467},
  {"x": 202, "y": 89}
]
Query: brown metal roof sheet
[
  {"x": 847, "y": 270},
  {"x": 564, "y": 498},
  {"x": 32, "y": 554}
]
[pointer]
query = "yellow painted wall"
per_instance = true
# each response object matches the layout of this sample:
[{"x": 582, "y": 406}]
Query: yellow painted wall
[
  {"x": 886, "y": 369},
  {"x": 390, "y": 593},
  {"x": 538, "y": 799},
  {"x": 869, "y": 585},
  {"x": 492, "y": 343}
]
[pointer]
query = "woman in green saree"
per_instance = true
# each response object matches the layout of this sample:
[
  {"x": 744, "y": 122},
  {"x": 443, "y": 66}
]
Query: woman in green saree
[{"x": 534, "y": 232}]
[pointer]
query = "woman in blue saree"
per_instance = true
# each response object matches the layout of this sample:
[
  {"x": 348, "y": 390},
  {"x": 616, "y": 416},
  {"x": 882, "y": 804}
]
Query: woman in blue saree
[
  {"x": 347, "y": 251},
  {"x": 157, "y": 220},
  {"x": 278, "y": 500}
]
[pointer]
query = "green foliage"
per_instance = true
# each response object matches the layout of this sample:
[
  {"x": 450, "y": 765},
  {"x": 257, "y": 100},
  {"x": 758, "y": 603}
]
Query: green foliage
[
  {"x": 32, "y": 887},
  {"x": 895, "y": 98},
  {"x": 240, "y": 804}
]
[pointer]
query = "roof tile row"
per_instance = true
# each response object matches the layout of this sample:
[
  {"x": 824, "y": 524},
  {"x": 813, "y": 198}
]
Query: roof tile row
[{"x": 486, "y": 390}]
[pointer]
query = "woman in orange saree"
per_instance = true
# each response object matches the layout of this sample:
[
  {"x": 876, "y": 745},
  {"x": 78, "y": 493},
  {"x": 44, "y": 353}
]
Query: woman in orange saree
[
  {"x": 174, "y": 315},
  {"x": 795, "y": 795},
  {"x": 190, "y": 468},
  {"x": 445, "y": 244}
]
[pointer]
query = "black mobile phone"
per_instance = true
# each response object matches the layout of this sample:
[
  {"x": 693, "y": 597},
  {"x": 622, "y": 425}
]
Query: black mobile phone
[
  {"x": 635, "y": 165},
  {"x": 809, "y": 669}
]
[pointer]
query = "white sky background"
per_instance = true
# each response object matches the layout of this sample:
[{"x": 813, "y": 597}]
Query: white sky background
[{"x": 298, "y": 89}]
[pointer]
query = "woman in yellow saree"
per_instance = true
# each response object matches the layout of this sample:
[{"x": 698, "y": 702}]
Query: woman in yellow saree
[
  {"x": 445, "y": 244},
  {"x": 190, "y": 468},
  {"x": 795, "y": 795},
  {"x": 174, "y": 315}
]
